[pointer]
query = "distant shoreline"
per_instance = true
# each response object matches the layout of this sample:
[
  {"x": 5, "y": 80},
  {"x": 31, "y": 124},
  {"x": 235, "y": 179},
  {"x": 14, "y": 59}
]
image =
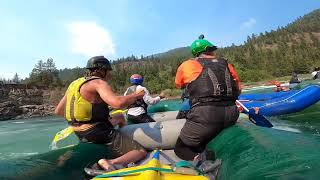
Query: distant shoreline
[{"x": 32, "y": 103}]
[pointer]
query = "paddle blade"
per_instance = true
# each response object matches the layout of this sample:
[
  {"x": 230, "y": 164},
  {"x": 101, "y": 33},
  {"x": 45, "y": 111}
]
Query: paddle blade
[
  {"x": 119, "y": 111},
  {"x": 259, "y": 120},
  {"x": 185, "y": 105},
  {"x": 63, "y": 134}
]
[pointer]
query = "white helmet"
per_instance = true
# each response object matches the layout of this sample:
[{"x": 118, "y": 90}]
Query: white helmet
[{"x": 313, "y": 74}]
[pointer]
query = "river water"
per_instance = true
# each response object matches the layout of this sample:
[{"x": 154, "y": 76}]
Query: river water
[{"x": 288, "y": 151}]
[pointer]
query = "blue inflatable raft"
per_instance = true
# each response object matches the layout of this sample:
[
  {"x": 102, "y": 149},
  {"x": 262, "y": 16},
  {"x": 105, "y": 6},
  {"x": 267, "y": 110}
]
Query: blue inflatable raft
[{"x": 278, "y": 103}]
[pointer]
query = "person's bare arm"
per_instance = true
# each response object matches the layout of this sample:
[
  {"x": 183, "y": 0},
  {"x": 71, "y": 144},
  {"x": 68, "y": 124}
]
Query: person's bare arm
[
  {"x": 117, "y": 102},
  {"x": 61, "y": 106}
]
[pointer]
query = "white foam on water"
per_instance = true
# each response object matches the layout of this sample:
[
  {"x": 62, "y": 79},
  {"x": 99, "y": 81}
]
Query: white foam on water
[
  {"x": 18, "y": 122},
  {"x": 24, "y": 154},
  {"x": 285, "y": 84},
  {"x": 15, "y": 131},
  {"x": 286, "y": 128},
  {"x": 16, "y": 155},
  {"x": 53, "y": 146}
]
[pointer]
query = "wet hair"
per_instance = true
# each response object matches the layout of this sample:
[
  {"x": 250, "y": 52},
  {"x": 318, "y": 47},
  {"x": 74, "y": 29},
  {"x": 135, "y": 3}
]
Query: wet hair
[{"x": 99, "y": 72}]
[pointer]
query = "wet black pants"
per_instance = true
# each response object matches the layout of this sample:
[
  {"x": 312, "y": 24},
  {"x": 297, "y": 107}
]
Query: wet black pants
[{"x": 203, "y": 124}]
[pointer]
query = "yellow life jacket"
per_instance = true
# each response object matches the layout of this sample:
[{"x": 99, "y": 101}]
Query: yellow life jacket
[{"x": 79, "y": 109}]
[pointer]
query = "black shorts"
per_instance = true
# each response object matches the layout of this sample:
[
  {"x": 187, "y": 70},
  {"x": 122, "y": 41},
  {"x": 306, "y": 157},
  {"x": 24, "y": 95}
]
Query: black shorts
[
  {"x": 122, "y": 144},
  {"x": 100, "y": 133},
  {"x": 118, "y": 143},
  {"x": 142, "y": 118}
]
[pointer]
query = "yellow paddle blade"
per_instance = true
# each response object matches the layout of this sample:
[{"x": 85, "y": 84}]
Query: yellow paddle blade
[
  {"x": 69, "y": 130},
  {"x": 119, "y": 111},
  {"x": 62, "y": 134}
]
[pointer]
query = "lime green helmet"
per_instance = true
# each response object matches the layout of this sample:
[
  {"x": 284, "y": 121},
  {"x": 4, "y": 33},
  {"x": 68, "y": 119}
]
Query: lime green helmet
[{"x": 201, "y": 45}]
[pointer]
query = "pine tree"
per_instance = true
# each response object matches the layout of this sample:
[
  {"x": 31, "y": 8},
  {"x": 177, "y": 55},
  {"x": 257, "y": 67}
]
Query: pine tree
[{"x": 16, "y": 78}]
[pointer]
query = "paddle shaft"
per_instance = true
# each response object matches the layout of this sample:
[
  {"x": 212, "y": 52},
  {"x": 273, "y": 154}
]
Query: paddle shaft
[
  {"x": 256, "y": 119},
  {"x": 245, "y": 108}
]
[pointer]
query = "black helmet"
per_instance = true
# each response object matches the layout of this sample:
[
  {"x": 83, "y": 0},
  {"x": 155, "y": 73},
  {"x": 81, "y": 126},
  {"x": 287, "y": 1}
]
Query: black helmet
[{"x": 99, "y": 62}]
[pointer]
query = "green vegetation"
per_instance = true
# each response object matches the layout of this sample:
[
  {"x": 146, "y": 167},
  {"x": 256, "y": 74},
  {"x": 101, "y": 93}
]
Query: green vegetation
[
  {"x": 295, "y": 47},
  {"x": 44, "y": 74}
]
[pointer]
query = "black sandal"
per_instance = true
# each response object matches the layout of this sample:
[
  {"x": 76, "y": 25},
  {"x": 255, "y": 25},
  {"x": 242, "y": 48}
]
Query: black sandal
[{"x": 96, "y": 169}]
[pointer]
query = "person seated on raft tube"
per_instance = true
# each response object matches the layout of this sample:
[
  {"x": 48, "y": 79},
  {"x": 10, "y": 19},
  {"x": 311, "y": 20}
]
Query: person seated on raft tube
[
  {"x": 213, "y": 87},
  {"x": 85, "y": 107},
  {"x": 294, "y": 81},
  {"x": 280, "y": 88},
  {"x": 316, "y": 73},
  {"x": 137, "y": 112}
]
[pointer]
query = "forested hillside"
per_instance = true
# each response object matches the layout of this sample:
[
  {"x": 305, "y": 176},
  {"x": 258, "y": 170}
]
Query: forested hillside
[{"x": 295, "y": 47}]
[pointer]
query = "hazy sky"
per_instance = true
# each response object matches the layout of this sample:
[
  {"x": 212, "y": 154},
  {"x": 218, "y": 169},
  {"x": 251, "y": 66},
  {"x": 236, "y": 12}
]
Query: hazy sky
[{"x": 72, "y": 31}]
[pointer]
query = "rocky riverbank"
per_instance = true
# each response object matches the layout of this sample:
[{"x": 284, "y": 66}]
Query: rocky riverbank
[{"x": 19, "y": 103}]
